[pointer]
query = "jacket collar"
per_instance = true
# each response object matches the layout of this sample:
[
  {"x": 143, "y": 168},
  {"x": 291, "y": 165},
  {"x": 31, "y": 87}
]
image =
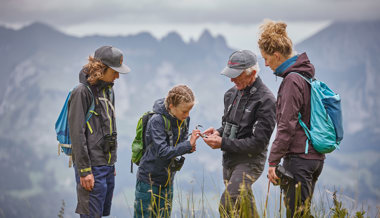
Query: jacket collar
[
  {"x": 281, "y": 69},
  {"x": 253, "y": 87},
  {"x": 159, "y": 107},
  {"x": 100, "y": 84}
]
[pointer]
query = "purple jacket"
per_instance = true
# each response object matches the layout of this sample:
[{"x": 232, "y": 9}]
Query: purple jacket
[{"x": 293, "y": 97}]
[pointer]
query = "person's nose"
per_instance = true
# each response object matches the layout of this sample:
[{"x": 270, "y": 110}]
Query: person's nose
[{"x": 117, "y": 75}]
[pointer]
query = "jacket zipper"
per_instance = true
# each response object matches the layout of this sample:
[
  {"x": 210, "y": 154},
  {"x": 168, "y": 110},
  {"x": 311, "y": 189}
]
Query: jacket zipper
[{"x": 179, "y": 131}]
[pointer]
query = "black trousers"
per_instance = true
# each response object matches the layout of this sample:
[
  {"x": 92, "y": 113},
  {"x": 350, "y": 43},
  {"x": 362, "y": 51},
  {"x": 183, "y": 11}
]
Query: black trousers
[{"x": 305, "y": 172}]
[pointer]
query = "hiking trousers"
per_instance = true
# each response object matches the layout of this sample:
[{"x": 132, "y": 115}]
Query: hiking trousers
[
  {"x": 152, "y": 201},
  {"x": 96, "y": 203},
  {"x": 305, "y": 172},
  {"x": 240, "y": 176}
]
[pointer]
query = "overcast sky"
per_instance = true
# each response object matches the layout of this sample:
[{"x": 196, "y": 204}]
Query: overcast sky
[{"x": 237, "y": 20}]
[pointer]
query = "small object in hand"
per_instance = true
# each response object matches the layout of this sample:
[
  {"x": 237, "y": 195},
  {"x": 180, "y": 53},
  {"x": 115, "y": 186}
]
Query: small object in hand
[
  {"x": 201, "y": 134},
  {"x": 176, "y": 164},
  {"x": 285, "y": 177}
]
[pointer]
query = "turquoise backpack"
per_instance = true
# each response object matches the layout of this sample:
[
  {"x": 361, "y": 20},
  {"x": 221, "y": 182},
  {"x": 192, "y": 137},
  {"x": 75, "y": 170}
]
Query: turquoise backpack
[
  {"x": 62, "y": 126},
  {"x": 326, "y": 128}
]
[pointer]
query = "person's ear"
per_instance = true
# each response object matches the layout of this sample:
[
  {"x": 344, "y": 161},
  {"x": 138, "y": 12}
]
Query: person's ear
[
  {"x": 254, "y": 73},
  {"x": 277, "y": 55}
]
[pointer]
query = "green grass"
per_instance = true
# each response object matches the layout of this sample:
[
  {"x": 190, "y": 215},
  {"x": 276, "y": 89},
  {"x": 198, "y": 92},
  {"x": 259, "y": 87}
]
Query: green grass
[
  {"x": 324, "y": 205},
  {"x": 61, "y": 213}
]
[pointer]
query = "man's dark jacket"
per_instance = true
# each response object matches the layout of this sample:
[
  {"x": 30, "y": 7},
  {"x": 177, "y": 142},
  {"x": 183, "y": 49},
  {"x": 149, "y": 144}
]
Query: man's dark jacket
[{"x": 253, "y": 109}]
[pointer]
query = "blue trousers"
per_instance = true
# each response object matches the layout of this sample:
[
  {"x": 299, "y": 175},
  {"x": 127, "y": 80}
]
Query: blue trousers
[
  {"x": 151, "y": 200},
  {"x": 96, "y": 203}
]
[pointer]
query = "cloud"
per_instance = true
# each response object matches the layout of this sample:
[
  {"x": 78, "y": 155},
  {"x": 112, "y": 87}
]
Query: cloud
[
  {"x": 236, "y": 20},
  {"x": 72, "y": 12}
]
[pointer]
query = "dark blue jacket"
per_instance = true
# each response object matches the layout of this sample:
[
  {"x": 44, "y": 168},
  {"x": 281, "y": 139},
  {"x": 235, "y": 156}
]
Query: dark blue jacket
[{"x": 154, "y": 164}]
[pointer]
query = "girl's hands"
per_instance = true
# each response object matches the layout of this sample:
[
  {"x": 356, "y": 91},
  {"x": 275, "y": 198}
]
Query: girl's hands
[{"x": 193, "y": 139}]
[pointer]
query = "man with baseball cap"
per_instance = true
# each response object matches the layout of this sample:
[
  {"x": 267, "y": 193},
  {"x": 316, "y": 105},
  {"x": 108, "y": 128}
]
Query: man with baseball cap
[
  {"x": 247, "y": 125},
  {"x": 93, "y": 134}
]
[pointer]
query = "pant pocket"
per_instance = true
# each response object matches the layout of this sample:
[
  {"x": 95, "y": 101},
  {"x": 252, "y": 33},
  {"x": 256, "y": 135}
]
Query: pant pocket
[
  {"x": 83, "y": 206},
  {"x": 142, "y": 200}
]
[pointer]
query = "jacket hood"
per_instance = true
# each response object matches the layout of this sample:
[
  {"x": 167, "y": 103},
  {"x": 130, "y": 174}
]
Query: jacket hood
[
  {"x": 159, "y": 108},
  {"x": 299, "y": 63},
  {"x": 83, "y": 76},
  {"x": 83, "y": 79}
]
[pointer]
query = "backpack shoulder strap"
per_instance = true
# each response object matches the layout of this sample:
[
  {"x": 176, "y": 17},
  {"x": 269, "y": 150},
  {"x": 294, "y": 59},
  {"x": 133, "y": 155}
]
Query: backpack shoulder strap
[
  {"x": 112, "y": 96},
  {"x": 168, "y": 129},
  {"x": 144, "y": 119},
  {"x": 303, "y": 125},
  {"x": 91, "y": 109},
  {"x": 167, "y": 123},
  {"x": 306, "y": 79},
  {"x": 111, "y": 100}
]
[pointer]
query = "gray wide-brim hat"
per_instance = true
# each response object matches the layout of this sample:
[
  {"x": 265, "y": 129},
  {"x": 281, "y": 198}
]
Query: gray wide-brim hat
[
  {"x": 238, "y": 62},
  {"x": 113, "y": 58}
]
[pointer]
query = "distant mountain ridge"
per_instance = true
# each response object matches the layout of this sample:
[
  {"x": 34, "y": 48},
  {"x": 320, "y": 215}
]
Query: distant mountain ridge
[{"x": 41, "y": 64}]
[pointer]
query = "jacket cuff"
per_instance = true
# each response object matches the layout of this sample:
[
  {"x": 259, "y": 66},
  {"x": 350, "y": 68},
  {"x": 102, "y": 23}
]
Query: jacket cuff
[
  {"x": 185, "y": 148},
  {"x": 189, "y": 147},
  {"x": 220, "y": 131},
  {"x": 224, "y": 143},
  {"x": 273, "y": 164},
  {"x": 85, "y": 171}
]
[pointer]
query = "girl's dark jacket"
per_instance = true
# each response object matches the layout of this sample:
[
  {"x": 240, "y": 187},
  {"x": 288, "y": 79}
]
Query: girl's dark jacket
[
  {"x": 153, "y": 168},
  {"x": 293, "y": 97},
  {"x": 87, "y": 139}
]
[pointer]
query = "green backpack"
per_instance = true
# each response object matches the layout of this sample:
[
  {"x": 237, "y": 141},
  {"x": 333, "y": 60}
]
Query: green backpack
[{"x": 139, "y": 145}]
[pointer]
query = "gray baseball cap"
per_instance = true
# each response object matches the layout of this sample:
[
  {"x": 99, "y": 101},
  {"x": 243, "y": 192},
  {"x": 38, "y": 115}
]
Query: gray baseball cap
[
  {"x": 112, "y": 57},
  {"x": 238, "y": 62}
]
